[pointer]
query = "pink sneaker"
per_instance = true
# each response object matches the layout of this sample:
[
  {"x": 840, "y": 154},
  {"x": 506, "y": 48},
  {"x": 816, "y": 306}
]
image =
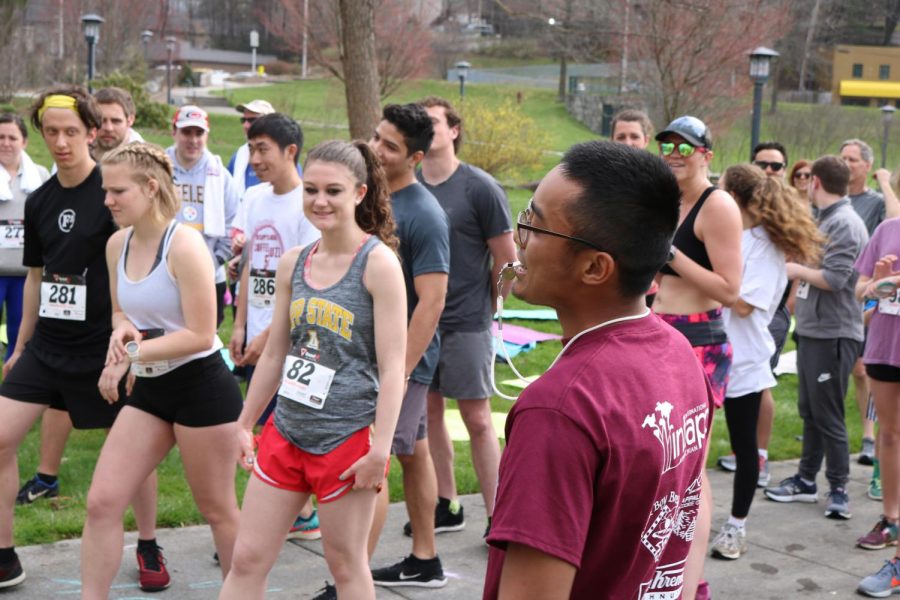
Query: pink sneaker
[{"x": 703, "y": 591}]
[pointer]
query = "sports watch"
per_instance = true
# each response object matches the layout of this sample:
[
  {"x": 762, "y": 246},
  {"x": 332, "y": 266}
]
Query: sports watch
[{"x": 133, "y": 349}]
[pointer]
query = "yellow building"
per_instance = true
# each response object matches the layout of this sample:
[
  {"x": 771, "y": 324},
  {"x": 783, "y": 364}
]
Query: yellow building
[{"x": 866, "y": 75}]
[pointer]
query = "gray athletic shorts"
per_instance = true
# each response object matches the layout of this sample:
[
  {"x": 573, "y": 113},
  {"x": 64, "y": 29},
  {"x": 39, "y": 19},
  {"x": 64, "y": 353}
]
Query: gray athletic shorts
[
  {"x": 412, "y": 424},
  {"x": 464, "y": 366}
]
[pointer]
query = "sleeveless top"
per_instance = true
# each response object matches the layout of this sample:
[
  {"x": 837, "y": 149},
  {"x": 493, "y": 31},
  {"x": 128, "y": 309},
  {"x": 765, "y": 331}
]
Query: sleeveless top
[
  {"x": 334, "y": 328},
  {"x": 685, "y": 240},
  {"x": 153, "y": 303}
]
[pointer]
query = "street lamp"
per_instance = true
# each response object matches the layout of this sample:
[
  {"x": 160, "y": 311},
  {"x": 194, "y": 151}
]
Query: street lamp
[
  {"x": 170, "y": 48},
  {"x": 759, "y": 73},
  {"x": 462, "y": 70},
  {"x": 254, "y": 44},
  {"x": 887, "y": 113},
  {"x": 91, "y": 24},
  {"x": 146, "y": 35}
]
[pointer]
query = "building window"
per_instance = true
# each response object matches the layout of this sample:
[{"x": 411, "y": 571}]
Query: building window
[
  {"x": 857, "y": 71},
  {"x": 884, "y": 72}
]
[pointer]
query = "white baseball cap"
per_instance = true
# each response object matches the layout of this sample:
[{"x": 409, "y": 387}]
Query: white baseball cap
[
  {"x": 191, "y": 116},
  {"x": 260, "y": 107}
]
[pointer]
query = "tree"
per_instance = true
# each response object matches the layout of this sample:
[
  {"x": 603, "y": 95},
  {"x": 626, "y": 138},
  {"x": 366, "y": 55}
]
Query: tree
[
  {"x": 691, "y": 56},
  {"x": 358, "y": 61},
  {"x": 11, "y": 71},
  {"x": 402, "y": 41}
]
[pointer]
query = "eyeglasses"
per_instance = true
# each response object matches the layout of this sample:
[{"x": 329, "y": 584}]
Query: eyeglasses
[
  {"x": 248, "y": 119},
  {"x": 524, "y": 226},
  {"x": 802, "y": 175},
  {"x": 765, "y": 164},
  {"x": 684, "y": 149}
]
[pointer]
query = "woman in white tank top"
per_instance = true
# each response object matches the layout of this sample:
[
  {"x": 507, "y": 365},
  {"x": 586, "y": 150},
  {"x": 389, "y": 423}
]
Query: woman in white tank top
[{"x": 164, "y": 345}]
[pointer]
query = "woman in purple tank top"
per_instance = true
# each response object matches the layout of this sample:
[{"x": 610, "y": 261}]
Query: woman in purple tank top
[
  {"x": 346, "y": 197},
  {"x": 702, "y": 274}
]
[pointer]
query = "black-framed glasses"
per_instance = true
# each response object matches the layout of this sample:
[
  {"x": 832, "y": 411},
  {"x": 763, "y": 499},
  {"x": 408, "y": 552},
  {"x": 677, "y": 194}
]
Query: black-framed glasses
[
  {"x": 524, "y": 226},
  {"x": 766, "y": 164},
  {"x": 248, "y": 119},
  {"x": 802, "y": 175}
]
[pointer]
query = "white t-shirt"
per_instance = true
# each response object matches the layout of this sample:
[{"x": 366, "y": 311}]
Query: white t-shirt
[
  {"x": 272, "y": 224},
  {"x": 762, "y": 286}
]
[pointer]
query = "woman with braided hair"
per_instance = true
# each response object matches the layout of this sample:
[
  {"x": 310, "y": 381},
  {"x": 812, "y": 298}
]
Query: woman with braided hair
[
  {"x": 776, "y": 224},
  {"x": 178, "y": 390}
]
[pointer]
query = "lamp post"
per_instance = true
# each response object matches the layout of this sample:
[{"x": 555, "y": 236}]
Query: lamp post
[
  {"x": 462, "y": 70},
  {"x": 254, "y": 44},
  {"x": 759, "y": 73},
  {"x": 887, "y": 114},
  {"x": 91, "y": 25},
  {"x": 146, "y": 35},
  {"x": 170, "y": 48}
]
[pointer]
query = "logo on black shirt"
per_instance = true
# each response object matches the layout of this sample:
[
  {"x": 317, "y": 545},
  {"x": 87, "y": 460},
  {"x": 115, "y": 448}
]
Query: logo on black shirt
[{"x": 66, "y": 220}]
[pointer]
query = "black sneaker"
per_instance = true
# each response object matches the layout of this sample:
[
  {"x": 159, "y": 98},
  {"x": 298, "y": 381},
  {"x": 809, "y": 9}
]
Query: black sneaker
[
  {"x": 445, "y": 521},
  {"x": 34, "y": 488},
  {"x": 412, "y": 571},
  {"x": 329, "y": 592},
  {"x": 11, "y": 573}
]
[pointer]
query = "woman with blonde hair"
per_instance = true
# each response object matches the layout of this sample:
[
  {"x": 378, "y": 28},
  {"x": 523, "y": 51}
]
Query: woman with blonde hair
[
  {"x": 776, "y": 224},
  {"x": 178, "y": 390}
]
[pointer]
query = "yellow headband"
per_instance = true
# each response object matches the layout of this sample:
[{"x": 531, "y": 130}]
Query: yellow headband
[{"x": 57, "y": 101}]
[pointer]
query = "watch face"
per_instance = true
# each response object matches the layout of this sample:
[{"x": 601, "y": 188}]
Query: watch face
[{"x": 131, "y": 347}]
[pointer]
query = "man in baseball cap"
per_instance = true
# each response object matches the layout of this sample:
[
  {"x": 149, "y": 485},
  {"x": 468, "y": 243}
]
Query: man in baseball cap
[{"x": 191, "y": 116}]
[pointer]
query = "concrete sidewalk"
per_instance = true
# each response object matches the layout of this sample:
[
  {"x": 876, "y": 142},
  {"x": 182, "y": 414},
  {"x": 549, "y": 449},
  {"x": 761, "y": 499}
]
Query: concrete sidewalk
[{"x": 794, "y": 552}]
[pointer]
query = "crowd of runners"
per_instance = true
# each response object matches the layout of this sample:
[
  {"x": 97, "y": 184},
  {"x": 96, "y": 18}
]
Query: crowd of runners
[{"x": 364, "y": 284}]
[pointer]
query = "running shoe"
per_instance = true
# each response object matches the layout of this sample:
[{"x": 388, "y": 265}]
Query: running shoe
[
  {"x": 730, "y": 543},
  {"x": 703, "y": 591},
  {"x": 306, "y": 529},
  {"x": 867, "y": 453},
  {"x": 445, "y": 520},
  {"x": 838, "y": 504},
  {"x": 764, "y": 477},
  {"x": 153, "y": 576},
  {"x": 11, "y": 573},
  {"x": 874, "y": 491},
  {"x": 883, "y": 583},
  {"x": 883, "y": 534},
  {"x": 34, "y": 488},
  {"x": 411, "y": 571},
  {"x": 792, "y": 489},
  {"x": 329, "y": 592},
  {"x": 727, "y": 463}
]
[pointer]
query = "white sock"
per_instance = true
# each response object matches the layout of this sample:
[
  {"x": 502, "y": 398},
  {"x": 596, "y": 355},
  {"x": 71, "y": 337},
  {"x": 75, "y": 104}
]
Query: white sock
[
  {"x": 738, "y": 523},
  {"x": 764, "y": 453}
]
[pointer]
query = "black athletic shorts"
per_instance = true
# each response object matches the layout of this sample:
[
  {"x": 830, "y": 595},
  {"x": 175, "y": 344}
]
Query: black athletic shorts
[
  {"x": 886, "y": 373},
  {"x": 201, "y": 393},
  {"x": 32, "y": 380}
]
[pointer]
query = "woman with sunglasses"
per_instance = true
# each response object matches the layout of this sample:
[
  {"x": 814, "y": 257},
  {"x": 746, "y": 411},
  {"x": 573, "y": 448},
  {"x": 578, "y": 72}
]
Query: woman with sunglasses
[
  {"x": 701, "y": 275},
  {"x": 776, "y": 224},
  {"x": 800, "y": 175}
]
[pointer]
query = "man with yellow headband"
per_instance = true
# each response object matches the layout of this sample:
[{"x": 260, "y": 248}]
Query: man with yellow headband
[{"x": 66, "y": 316}]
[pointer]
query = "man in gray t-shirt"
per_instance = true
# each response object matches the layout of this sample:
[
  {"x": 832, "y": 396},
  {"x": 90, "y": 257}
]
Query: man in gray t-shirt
[{"x": 480, "y": 243}]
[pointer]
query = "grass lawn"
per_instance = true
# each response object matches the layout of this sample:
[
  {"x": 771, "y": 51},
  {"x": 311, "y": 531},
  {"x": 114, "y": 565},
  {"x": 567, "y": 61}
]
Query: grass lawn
[{"x": 320, "y": 105}]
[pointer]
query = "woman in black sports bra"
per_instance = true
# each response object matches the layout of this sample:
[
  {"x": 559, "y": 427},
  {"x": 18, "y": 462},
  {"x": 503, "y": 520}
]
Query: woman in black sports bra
[{"x": 702, "y": 275}]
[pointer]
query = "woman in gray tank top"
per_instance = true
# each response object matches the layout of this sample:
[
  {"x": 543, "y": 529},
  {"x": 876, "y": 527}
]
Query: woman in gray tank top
[
  {"x": 335, "y": 356},
  {"x": 178, "y": 389}
]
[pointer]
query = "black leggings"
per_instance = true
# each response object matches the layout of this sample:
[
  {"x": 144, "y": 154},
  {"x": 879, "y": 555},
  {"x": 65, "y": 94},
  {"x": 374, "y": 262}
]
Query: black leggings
[{"x": 741, "y": 414}]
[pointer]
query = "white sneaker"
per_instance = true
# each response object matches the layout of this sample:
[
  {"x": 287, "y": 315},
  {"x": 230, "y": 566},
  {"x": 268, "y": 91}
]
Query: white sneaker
[{"x": 730, "y": 543}]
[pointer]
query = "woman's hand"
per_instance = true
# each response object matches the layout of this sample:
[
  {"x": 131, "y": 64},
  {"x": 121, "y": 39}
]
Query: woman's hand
[
  {"x": 110, "y": 378},
  {"x": 125, "y": 332},
  {"x": 247, "y": 446},
  {"x": 368, "y": 472}
]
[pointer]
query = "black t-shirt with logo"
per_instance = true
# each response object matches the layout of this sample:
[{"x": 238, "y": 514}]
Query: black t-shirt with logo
[{"x": 66, "y": 230}]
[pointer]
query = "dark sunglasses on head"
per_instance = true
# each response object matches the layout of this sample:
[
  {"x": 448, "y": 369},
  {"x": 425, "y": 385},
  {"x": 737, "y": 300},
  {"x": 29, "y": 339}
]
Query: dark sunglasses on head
[
  {"x": 684, "y": 149},
  {"x": 248, "y": 119},
  {"x": 765, "y": 164},
  {"x": 802, "y": 175}
]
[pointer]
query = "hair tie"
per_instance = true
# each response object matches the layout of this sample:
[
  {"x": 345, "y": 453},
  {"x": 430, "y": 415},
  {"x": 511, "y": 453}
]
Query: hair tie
[{"x": 57, "y": 101}]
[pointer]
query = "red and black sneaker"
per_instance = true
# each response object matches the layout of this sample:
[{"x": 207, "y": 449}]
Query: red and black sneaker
[
  {"x": 11, "y": 573},
  {"x": 153, "y": 576}
]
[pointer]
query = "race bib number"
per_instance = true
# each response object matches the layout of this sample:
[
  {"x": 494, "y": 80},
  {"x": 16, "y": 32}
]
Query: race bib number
[
  {"x": 306, "y": 381},
  {"x": 12, "y": 233},
  {"x": 63, "y": 297},
  {"x": 803, "y": 290},
  {"x": 150, "y": 369},
  {"x": 262, "y": 288},
  {"x": 890, "y": 305}
]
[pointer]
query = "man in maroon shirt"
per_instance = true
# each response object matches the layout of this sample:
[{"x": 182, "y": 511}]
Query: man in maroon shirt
[{"x": 600, "y": 479}]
